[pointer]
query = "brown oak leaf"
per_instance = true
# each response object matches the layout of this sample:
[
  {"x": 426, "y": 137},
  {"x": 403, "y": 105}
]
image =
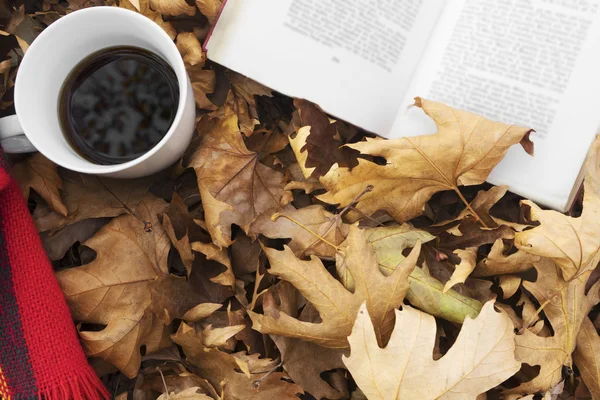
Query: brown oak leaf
[
  {"x": 336, "y": 305},
  {"x": 222, "y": 371}
]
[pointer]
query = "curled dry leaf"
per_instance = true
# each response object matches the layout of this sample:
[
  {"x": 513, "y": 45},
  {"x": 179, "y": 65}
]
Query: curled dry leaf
[
  {"x": 200, "y": 311},
  {"x": 566, "y": 305},
  {"x": 509, "y": 285},
  {"x": 481, "y": 358},
  {"x": 221, "y": 370},
  {"x": 235, "y": 187},
  {"x": 571, "y": 242},
  {"x": 497, "y": 263},
  {"x": 209, "y": 8},
  {"x": 172, "y": 7},
  {"x": 427, "y": 294},
  {"x": 190, "y": 49},
  {"x": 336, "y": 305},
  {"x": 203, "y": 83},
  {"x": 463, "y": 152},
  {"x": 218, "y": 337},
  {"x": 468, "y": 261},
  {"x": 40, "y": 174},
  {"x": 310, "y": 222},
  {"x": 212, "y": 252}
]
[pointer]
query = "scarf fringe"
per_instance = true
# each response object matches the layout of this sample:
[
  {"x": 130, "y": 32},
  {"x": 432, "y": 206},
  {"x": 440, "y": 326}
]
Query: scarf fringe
[{"x": 83, "y": 385}]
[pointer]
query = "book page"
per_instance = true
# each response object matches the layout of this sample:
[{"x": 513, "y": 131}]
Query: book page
[
  {"x": 528, "y": 62},
  {"x": 355, "y": 58}
]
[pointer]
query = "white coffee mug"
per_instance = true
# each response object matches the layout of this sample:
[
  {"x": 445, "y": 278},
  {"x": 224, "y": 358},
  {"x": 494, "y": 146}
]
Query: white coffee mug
[{"x": 46, "y": 65}]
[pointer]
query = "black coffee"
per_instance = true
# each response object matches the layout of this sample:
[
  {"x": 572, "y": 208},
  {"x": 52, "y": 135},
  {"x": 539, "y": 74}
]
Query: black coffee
[{"x": 117, "y": 104}]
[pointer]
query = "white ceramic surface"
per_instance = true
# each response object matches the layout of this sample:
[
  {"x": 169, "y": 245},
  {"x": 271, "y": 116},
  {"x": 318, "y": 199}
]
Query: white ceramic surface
[{"x": 51, "y": 57}]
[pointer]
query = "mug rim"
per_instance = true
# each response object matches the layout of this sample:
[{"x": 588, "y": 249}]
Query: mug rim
[{"x": 177, "y": 64}]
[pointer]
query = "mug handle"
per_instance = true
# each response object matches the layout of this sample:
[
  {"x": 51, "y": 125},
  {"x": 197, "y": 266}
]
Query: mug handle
[{"x": 12, "y": 137}]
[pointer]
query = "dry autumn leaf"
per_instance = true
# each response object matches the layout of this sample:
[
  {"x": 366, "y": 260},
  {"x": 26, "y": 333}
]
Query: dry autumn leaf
[
  {"x": 587, "y": 356},
  {"x": 463, "y": 152},
  {"x": 303, "y": 361},
  {"x": 481, "y": 358},
  {"x": 221, "y": 370},
  {"x": 571, "y": 242},
  {"x": 88, "y": 196},
  {"x": 235, "y": 187},
  {"x": 40, "y": 174},
  {"x": 566, "y": 305},
  {"x": 468, "y": 261},
  {"x": 190, "y": 49},
  {"x": 192, "y": 393},
  {"x": 497, "y": 263},
  {"x": 317, "y": 143},
  {"x": 336, "y": 305},
  {"x": 209, "y": 8},
  {"x": 426, "y": 293},
  {"x": 172, "y": 7},
  {"x": 303, "y": 242},
  {"x": 118, "y": 289}
]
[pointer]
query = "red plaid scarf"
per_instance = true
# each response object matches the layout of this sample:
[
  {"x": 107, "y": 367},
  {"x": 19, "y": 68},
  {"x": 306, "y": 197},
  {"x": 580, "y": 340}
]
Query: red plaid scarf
[{"x": 40, "y": 354}]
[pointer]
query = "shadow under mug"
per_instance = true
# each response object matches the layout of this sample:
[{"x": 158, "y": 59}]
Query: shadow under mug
[{"x": 48, "y": 62}]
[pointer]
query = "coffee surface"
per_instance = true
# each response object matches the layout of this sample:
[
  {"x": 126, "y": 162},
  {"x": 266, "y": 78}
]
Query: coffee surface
[{"x": 117, "y": 104}]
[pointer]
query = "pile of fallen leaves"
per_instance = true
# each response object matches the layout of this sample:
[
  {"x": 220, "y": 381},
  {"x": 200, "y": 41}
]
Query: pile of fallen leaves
[{"x": 289, "y": 255}]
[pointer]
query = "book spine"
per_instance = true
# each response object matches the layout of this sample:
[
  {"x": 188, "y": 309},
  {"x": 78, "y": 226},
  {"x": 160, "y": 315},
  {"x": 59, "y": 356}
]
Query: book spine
[{"x": 212, "y": 28}]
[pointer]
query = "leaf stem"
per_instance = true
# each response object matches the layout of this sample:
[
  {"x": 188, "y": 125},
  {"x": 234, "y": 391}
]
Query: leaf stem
[
  {"x": 334, "y": 221},
  {"x": 256, "y": 383},
  {"x": 471, "y": 209},
  {"x": 276, "y": 216},
  {"x": 147, "y": 224}
]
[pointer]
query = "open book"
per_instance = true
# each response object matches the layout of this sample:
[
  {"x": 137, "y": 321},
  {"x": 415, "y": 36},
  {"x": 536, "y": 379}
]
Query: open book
[{"x": 526, "y": 62}]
